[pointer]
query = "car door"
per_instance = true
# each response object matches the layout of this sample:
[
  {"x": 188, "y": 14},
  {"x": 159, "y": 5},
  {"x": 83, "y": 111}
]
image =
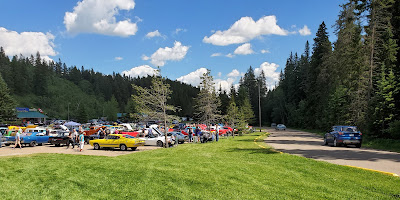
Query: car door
[
  {"x": 151, "y": 140},
  {"x": 331, "y": 135},
  {"x": 115, "y": 141}
]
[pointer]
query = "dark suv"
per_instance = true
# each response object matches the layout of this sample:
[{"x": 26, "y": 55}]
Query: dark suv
[{"x": 343, "y": 135}]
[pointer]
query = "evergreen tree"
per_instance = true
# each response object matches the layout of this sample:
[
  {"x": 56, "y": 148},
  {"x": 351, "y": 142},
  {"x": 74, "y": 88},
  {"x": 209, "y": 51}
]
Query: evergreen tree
[{"x": 7, "y": 103}]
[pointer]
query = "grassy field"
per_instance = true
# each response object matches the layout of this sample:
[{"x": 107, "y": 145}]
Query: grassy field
[{"x": 230, "y": 169}]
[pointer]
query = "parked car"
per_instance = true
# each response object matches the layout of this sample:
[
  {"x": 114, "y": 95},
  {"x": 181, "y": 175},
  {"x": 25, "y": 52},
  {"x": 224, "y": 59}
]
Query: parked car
[
  {"x": 180, "y": 137},
  {"x": 156, "y": 138},
  {"x": 344, "y": 135},
  {"x": 280, "y": 127},
  {"x": 32, "y": 139},
  {"x": 61, "y": 138},
  {"x": 273, "y": 125},
  {"x": 117, "y": 141}
]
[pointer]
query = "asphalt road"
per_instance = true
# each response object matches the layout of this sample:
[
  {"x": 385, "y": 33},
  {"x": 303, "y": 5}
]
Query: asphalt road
[{"x": 310, "y": 145}]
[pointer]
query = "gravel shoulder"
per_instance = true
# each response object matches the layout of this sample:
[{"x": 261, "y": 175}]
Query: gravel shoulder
[
  {"x": 310, "y": 145},
  {"x": 87, "y": 150}
]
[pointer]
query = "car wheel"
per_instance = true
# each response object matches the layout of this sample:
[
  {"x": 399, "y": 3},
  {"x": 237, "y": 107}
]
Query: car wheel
[
  {"x": 325, "y": 141},
  {"x": 123, "y": 147},
  {"x": 32, "y": 144},
  {"x": 134, "y": 148},
  {"x": 160, "y": 143},
  {"x": 96, "y": 146},
  {"x": 335, "y": 144}
]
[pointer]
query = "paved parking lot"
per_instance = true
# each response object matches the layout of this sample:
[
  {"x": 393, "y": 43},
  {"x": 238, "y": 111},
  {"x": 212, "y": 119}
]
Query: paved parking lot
[
  {"x": 310, "y": 145},
  {"x": 88, "y": 150}
]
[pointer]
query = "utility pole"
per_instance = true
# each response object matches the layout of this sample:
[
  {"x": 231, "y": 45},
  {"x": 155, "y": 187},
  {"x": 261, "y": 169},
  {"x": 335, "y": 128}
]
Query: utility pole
[
  {"x": 68, "y": 111},
  {"x": 259, "y": 105}
]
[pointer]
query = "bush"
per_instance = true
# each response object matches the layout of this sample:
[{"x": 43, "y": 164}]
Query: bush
[{"x": 394, "y": 129}]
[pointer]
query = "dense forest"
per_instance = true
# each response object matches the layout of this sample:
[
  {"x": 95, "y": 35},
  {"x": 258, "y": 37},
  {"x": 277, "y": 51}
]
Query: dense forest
[
  {"x": 352, "y": 81},
  {"x": 69, "y": 92}
]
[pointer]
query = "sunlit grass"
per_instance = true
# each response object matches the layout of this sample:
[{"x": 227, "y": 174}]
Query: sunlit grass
[{"x": 236, "y": 168}]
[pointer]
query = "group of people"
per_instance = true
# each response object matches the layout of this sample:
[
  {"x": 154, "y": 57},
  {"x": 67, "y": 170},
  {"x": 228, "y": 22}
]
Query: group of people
[
  {"x": 197, "y": 135},
  {"x": 73, "y": 137}
]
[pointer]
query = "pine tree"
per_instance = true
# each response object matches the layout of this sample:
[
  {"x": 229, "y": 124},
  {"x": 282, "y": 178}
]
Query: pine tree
[
  {"x": 7, "y": 103},
  {"x": 207, "y": 102}
]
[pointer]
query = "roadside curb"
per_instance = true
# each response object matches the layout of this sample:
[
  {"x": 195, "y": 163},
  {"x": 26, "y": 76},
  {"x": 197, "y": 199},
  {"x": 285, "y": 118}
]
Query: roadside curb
[
  {"x": 255, "y": 142},
  {"x": 373, "y": 170}
]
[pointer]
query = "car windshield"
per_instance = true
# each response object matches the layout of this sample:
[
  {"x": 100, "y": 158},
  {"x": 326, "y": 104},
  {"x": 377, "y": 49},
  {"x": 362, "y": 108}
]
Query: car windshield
[{"x": 349, "y": 129}]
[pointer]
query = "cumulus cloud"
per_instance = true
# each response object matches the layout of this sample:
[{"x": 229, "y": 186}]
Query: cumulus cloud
[
  {"x": 305, "y": 31},
  {"x": 162, "y": 55},
  {"x": 265, "y": 51},
  {"x": 140, "y": 71},
  {"x": 225, "y": 85},
  {"x": 271, "y": 75},
  {"x": 98, "y": 16},
  {"x": 118, "y": 58},
  {"x": 234, "y": 73},
  {"x": 216, "y": 54},
  {"x": 155, "y": 33},
  {"x": 27, "y": 43},
  {"x": 244, "y": 49},
  {"x": 193, "y": 78},
  {"x": 246, "y": 29}
]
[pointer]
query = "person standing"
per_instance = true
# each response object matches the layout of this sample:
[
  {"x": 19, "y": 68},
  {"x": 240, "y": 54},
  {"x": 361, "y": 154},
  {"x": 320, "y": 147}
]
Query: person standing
[
  {"x": 1, "y": 140},
  {"x": 71, "y": 140},
  {"x": 197, "y": 132},
  {"x": 75, "y": 137},
  {"x": 81, "y": 141},
  {"x": 217, "y": 133},
  {"x": 18, "y": 139},
  {"x": 190, "y": 133}
]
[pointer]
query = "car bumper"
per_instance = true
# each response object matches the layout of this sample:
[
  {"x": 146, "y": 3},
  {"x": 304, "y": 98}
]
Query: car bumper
[{"x": 350, "y": 140}]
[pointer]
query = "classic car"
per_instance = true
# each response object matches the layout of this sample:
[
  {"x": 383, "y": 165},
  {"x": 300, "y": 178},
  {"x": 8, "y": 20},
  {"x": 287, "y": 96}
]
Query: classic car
[
  {"x": 60, "y": 139},
  {"x": 179, "y": 136},
  {"x": 156, "y": 138},
  {"x": 343, "y": 135},
  {"x": 32, "y": 139},
  {"x": 121, "y": 141}
]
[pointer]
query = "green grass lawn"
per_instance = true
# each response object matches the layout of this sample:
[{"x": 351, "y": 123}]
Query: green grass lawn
[{"x": 230, "y": 169}]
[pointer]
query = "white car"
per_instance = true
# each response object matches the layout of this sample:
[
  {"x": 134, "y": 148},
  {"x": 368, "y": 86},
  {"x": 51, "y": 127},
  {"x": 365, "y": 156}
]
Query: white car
[
  {"x": 280, "y": 127},
  {"x": 156, "y": 138}
]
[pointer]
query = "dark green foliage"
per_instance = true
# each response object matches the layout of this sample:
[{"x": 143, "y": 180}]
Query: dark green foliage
[
  {"x": 355, "y": 84},
  {"x": 7, "y": 103},
  {"x": 54, "y": 87}
]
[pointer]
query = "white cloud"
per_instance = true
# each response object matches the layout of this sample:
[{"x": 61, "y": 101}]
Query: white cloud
[
  {"x": 265, "y": 51},
  {"x": 225, "y": 85},
  {"x": 245, "y": 30},
  {"x": 140, "y": 71},
  {"x": 178, "y": 30},
  {"x": 162, "y": 55},
  {"x": 271, "y": 75},
  {"x": 119, "y": 58},
  {"x": 216, "y": 54},
  {"x": 244, "y": 49},
  {"x": 219, "y": 74},
  {"x": 305, "y": 31},
  {"x": 98, "y": 16},
  {"x": 234, "y": 73},
  {"x": 229, "y": 55},
  {"x": 27, "y": 43},
  {"x": 155, "y": 33},
  {"x": 193, "y": 78}
]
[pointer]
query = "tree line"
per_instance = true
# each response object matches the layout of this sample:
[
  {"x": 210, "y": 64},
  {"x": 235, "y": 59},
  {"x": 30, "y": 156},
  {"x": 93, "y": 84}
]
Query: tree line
[
  {"x": 77, "y": 93},
  {"x": 352, "y": 81}
]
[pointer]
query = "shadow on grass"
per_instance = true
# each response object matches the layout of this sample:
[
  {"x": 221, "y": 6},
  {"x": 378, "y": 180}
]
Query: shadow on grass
[{"x": 253, "y": 150}]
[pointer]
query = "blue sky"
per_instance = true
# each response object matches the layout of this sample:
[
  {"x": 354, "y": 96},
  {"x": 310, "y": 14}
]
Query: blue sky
[{"x": 115, "y": 35}]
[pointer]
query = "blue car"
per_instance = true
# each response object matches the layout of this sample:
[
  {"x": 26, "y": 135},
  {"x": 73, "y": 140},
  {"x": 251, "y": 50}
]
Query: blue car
[
  {"x": 32, "y": 139},
  {"x": 343, "y": 136}
]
